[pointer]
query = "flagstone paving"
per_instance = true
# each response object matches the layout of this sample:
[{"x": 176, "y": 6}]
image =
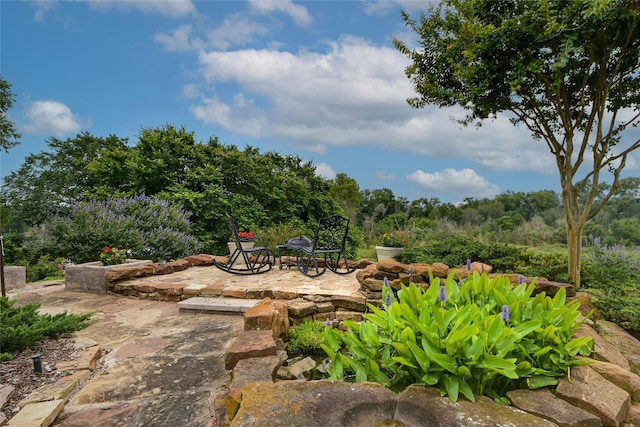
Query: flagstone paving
[{"x": 163, "y": 364}]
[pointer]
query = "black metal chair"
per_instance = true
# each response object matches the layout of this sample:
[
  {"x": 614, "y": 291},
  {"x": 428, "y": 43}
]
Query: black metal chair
[
  {"x": 327, "y": 249},
  {"x": 245, "y": 260}
]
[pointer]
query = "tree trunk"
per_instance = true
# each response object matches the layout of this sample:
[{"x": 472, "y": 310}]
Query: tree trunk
[{"x": 574, "y": 248}]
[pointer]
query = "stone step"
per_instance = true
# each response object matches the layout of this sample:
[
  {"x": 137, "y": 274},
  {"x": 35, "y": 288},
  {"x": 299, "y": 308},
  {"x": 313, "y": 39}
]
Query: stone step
[{"x": 218, "y": 305}]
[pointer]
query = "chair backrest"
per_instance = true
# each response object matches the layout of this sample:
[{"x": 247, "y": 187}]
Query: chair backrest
[
  {"x": 331, "y": 233},
  {"x": 234, "y": 231}
]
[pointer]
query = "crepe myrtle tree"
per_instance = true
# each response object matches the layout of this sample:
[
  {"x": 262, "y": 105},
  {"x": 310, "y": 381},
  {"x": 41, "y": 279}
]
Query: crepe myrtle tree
[{"x": 567, "y": 70}]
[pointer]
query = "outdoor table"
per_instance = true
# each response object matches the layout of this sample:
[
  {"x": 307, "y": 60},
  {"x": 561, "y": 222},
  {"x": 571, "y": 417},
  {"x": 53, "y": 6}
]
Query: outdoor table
[{"x": 291, "y": 248}]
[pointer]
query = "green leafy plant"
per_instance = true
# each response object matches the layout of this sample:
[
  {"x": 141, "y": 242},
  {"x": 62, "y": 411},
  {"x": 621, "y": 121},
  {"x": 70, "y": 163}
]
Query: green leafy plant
[
  {"x": 305, "y": 338},
  {"x": 46, "y": 269},
  {"x": 476, "y": 337},
  {"x": 394, "y": 239},
  {"x": 22, "y": 327},
  {"x": 112, "y": 256}
]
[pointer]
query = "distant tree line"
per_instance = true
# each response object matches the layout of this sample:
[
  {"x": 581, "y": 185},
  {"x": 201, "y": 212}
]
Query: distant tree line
[{"x": 266, "y": 190}]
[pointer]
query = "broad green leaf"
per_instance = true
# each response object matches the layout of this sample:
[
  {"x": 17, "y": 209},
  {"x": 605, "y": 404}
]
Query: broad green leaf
[
  {"x": 404, "y": 361},
  {"x": 408, "y": 335},
  {"x": 523, "y": 329},
  {"x": 560, "y": 297},
  {"x": 451, "y": 385},
  {"x": 474, "y": 351},
  {"x": 495, "y": 328},
  {"x": 429, "y": 379},
  {"x": 459, "y": 337},
  {"x": 466, "y": 390},
  {"x": 446, "y": 361},
  {"x": 541, "y": 381},
  {"x": 401, "y": 347},
  {"x": 494, "y": 362},
  {"x": 371, "y": 368},
  {"x": 419, "y": 355},
  {"x": 542, "y": 351},
  {"x": 577, "y": 344}
]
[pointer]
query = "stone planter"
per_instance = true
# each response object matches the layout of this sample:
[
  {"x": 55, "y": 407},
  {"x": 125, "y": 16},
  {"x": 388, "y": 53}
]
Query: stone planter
[
  {"x": 90, "y": 276},
  {"x": 15, "y": 277},
  {"x": 385, "y": 252}
]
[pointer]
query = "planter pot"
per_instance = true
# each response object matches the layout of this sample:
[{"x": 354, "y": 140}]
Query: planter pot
[
  {"x": 385, "y": 252},
  {"x": 245, "y": 245}
]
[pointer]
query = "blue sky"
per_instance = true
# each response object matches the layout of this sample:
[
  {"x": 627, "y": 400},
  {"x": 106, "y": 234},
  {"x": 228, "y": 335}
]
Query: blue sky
[{"x": 318, "y": 79}]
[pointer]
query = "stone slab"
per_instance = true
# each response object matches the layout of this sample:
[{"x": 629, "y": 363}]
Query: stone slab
[
  {"x": 40, "y": 414},
  {"x": 218, "y": 305}
]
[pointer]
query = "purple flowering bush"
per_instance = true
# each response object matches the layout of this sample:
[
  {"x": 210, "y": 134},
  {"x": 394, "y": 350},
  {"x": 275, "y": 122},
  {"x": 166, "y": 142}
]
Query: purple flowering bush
[
  {"x": 477, "y": 337},
  {"x": 146, "y": 228}
]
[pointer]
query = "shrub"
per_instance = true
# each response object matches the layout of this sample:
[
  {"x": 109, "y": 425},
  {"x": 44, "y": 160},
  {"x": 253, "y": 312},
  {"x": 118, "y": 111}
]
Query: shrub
[
  {"x": 504, "y": 258},
  {"x": 480, "y": 336},
  {"x": 22, "y": 327},
  {"x": 305, "y": 338},
  {"x": 46, "y": 269},
  {"x": 611, "y": 274},
  {"x": 147, "y": 228}
]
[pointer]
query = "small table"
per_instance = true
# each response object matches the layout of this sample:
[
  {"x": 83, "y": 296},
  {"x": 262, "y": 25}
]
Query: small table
[{"x": 290, "y": 248}]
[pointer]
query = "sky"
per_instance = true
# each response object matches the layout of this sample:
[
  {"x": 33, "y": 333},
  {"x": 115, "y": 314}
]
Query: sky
[{"x": 317, "y": 79}]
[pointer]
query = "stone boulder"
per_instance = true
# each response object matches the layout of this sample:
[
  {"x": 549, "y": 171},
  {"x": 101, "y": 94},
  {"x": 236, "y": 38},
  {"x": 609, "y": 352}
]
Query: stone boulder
[
  {"x": 424, "y": 407},
  {"x": 545, "y": 404},
  {"x": 590, "y": 391},
  {"x": 314, "y": 404}
]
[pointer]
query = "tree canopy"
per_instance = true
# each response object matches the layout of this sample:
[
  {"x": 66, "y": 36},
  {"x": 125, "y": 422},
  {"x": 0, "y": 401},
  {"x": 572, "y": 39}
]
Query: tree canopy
[
  {"x": 567, "y": 70},
  {"x": 206, "y": 178},
  {"x": 8, "y": 134}
]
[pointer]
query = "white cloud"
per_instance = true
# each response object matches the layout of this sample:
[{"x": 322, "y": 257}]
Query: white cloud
[
  {"x": 465, "y": 182},
  {"x": 325, "y": 171},
  {"x": 50, "y": 118},
  {"x": 298, "y": 13},
  {"x": 179, "y": 40},
  {"x": 354, "y": 94},
  {"x": 240, "y": 112},
  {"x": 235, "y": 30},
  {"x": 385, "y": 176},
  {"x": 169, "y": 8},
  {"x": 41, "y": 8}
]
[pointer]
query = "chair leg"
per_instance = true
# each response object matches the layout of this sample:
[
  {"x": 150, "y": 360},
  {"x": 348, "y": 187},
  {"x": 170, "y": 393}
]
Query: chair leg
[
  {"x": 309, "y": 266},
  {"x": 339, "y": 264}
]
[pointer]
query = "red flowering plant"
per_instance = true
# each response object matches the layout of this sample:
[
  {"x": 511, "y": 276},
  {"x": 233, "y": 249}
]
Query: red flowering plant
[
  {"x": 112, "y": 256},
  {"x": 245, "y": 236}
]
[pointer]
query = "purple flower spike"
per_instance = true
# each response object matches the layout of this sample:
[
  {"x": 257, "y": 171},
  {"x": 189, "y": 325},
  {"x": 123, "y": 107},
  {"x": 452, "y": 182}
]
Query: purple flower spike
[
  {"x": 442, "y": 297},
  {"x": 328, "y": 323},
  {"x": 520, "y": 280},
  {"x": 505, "y": 313},
  {"x": 469, "y": 264},
  {"x": 387, "y": 300},
  {"x": 386, "y": 281}
]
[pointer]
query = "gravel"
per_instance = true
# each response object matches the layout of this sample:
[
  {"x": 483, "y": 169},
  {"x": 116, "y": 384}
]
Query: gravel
[{"x": 20, "y": 373}]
